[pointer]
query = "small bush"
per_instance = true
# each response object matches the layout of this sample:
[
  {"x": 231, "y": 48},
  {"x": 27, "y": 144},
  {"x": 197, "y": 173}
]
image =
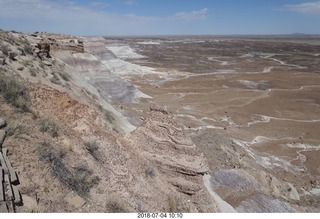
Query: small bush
[
  {"x": 33, "y": 72},
  {"x": 5, "y": 49},
  {"x": 64, "y": 76},
  {"x": 16, "y": 129},
  {"x": 150, "y": 172},
  {"x": 27, "y": 48},
  {"x": 55, "y": 79},
  {"x": 93, "y": 149},
  {"x": 109, "y": 116},
  {"x": 47, "y": 152},
  {"x": 115, "y": 206},
  {"x": 14, "y": 93},
  {"x": 80, "y": 181},
  {"x": 49, "y": 126},
  {"x": 178, "y": 204}
]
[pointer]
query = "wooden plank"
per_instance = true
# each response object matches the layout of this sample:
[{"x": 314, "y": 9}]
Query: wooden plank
[
  {"x": 2, "y": 195},
  {"x": 16, "y": 195},
  {"x": 3, "y": 164},
  {"x": 12, "y": 173},
  {"x": 3, "y": 207},
  {"x": 2, "y": 137}
]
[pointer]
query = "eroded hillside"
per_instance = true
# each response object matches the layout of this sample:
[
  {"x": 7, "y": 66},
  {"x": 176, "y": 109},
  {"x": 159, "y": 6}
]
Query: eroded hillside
[{"x": 72, "y": 150}]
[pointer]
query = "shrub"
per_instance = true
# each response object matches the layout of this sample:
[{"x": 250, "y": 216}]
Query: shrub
[
  {"x": 64, "y": 76},
  {"x": 55, "y": 79},
  {"x": 15, "y": 129},
  {"x": 93, "y": 149},
  {"x": 33, "y": 72},
  {"x": 5, "y": 49},
  {"x": 80, "y": 181},
  {"x": 14, "y": 93},
  {"x": 109, "y": 116},
  {"x": 150, "y": 172},
  {"x": 27, "y": 48},
  {"x": 49, "y": 126},
  {"x": 178, "y": 204},
  {"x": 115, "y": 206}
]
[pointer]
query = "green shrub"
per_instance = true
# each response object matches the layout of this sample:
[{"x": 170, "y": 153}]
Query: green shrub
[{"x": 14, "y": 93}]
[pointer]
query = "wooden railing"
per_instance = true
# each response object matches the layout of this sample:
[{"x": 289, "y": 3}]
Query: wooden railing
[{"x": 10, "y": 196}]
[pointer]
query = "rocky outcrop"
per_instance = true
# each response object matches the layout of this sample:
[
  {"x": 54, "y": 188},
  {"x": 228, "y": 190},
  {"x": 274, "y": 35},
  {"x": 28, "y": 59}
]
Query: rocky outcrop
[
  {"x": 43, "y": 50},
  {"x": 163, "y": 143}
]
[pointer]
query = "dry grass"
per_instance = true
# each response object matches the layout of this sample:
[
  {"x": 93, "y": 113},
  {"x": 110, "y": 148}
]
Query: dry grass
[
  {"x": 46, "y": 125},
  {"x": 80, "y": 180},
  {"x": 114, "y": 205},
  {"x": 5, "y": 49},
  {"x": 93, "y": 149},
  {"x": 178, "y": 204},
  {"x": 150, "y": 172},
  {"x": 16, "y": 129},
  {"x": 55, "y": 79},
  {"x": 14, "y": 93},
  {"x": 64, "y": 76}
]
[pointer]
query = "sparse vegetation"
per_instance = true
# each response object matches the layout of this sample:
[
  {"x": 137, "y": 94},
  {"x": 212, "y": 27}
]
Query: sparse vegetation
[
  {"x": 93, "y": 149},
  {"x": 15, "y": 129},
  {"x": 114, "y": 205},
  {"x": 5, "y": 49},
  {"x": 14, "y": 93},
  {"x": 109, "y": 117},
  {"x": 28, "y": 49},
  {"x": 173, "y": 204},
  {"x": 46, "y": 125},
  {"x": 26, "y": 62},
  {"x": 64, "y": 76},
  {"x": 177, "y": 204},
  {"x": 150, "y": 172},
  {"x": 33, "y": 72},
  {"x": 55, "y": 79},
  {"x": 80, "y": 181}
]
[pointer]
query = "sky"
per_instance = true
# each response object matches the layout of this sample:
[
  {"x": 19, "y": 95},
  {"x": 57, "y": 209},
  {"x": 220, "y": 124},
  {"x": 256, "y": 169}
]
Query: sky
[{"x": 161, "y": 17}]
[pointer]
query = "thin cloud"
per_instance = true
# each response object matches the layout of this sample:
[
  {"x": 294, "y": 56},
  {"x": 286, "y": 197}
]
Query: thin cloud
[
  {"x": 129, "y": 2},
  {"x": 193, "y": 15},
  {"x": 100, "y": 5},
  {"x": 306, "y": 8},
  {"x": 71, "y": 18},
  {"x": 66, "y": 17}
]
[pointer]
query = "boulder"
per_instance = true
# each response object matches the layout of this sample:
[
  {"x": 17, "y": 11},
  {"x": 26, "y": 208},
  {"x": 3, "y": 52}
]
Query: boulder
[
  {"x": 44, "y": 49},
  {"x": 12, "y": 56}
]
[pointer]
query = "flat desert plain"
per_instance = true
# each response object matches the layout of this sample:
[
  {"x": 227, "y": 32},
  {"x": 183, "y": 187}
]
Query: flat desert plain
[{"x": 251, "y": 104}]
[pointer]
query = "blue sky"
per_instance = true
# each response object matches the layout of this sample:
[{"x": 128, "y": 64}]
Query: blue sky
[{"x": 161, "y": 17}]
